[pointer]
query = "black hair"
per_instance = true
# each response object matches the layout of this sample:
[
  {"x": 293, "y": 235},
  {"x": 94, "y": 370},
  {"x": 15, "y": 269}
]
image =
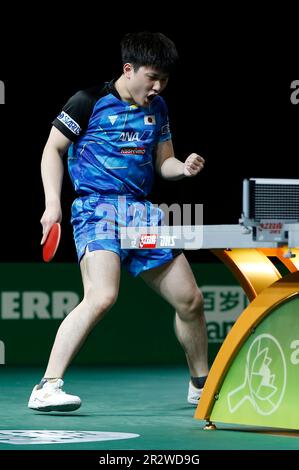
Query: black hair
[{"x": 149, "y": 49}]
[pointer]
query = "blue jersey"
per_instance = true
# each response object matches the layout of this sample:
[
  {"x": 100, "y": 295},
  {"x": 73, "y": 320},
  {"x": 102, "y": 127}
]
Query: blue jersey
[{"x": 113, "y": 141}]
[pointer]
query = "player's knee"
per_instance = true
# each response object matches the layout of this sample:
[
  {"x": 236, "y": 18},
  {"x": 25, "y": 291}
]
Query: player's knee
[
  {"x": 99, "y": 303},
  {"x": 192, "y": 305}
]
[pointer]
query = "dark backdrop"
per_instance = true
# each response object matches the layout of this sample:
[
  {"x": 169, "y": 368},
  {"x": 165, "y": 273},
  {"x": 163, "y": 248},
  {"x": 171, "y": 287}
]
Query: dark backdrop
[{"x": 229, "y": 101}]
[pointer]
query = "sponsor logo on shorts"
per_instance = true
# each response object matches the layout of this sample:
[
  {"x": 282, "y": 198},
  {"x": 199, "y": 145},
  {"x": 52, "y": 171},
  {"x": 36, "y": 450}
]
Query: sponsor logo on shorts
[
  {"x": 167, "y": 240},
  {"x": 148, "y": 241},
  {"x": 72, "y": 125},
  {"x": 132, "y": 150}
]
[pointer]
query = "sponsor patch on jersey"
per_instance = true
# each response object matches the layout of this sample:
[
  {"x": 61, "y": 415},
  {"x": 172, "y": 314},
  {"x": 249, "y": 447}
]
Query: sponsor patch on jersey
[
  {"x": 150, "y": 120},
  {"x": 129, "y": 136},
  {"x": 72, "y": 125},
  {"x": 132, "y": 150},
  {"x": 148, "y": 241}
]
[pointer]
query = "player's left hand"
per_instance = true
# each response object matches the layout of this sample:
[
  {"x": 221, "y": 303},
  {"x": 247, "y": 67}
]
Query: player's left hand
[{"x": 193, "y": 164}]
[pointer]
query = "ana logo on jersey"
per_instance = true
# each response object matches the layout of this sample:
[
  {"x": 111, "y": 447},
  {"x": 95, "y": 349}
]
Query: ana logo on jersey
[
  {"x": 133, "y": 136},
  {"x": 129, "y": 136}
]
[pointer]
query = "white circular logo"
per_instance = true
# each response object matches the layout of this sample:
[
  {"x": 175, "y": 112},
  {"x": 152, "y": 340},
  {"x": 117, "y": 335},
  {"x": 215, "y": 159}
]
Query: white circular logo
[
  {"x": 36, "y": 436},
  {"x": 264, "y": 380}
]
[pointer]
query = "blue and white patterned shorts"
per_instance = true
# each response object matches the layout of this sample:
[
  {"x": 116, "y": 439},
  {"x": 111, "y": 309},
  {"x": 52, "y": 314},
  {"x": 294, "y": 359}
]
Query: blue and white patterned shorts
[{"x": 96, "y": 220}]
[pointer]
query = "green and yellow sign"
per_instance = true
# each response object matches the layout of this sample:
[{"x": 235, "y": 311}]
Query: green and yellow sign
[{"x": 261, "y": 386}]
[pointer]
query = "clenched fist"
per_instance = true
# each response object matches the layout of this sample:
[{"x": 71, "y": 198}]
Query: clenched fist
[{"x": 193, "y": 164}]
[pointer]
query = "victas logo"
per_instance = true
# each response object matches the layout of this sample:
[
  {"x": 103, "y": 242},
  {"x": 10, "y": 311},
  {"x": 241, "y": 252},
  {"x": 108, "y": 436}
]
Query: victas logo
[
  {"x": 2, "y": 92},
  {"x": 295, "y": 94},
  {"x": 112, "y": 118}
]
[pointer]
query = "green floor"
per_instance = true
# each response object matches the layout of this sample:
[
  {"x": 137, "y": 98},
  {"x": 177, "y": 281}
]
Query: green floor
[{"x": 150, "y": 402}]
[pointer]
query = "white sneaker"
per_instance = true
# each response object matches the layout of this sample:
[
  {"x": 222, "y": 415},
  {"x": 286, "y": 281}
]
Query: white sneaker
[
  {"x": 51, "y": 397},
  {"x": 194, "y": 394}
]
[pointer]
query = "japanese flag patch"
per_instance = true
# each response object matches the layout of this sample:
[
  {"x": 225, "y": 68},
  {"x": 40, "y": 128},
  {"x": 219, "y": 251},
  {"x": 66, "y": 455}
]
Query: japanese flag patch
[{"x": 150, "y": 120}]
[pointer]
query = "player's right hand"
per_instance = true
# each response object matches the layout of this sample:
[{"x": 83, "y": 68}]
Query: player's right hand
[{"x": 51, "y": 215}]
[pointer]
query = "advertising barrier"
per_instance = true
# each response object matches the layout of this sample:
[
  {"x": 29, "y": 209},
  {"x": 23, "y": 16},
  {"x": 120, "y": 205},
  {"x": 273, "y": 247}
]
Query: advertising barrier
[{"x": 138, "y": 329}]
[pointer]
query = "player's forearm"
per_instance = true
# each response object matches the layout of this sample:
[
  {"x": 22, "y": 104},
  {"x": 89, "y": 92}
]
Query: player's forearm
[
  {"x": 52, "y": 175},
  {"x": 172, "y": 169}
]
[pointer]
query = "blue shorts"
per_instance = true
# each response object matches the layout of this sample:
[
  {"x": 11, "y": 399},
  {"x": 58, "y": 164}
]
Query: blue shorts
[{"x": 96, "y": 220}]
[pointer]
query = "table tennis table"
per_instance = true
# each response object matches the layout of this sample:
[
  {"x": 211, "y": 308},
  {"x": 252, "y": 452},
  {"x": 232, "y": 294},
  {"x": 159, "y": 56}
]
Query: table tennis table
[{"x": 254, "y": 378}]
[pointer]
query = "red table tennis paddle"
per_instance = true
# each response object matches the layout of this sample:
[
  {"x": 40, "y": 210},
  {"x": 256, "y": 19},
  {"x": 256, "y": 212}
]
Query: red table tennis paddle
[{"x": 52, "y": 241}]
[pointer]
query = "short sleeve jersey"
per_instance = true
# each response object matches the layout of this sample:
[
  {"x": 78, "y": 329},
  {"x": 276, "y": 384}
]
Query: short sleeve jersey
[{"x": 112, "y": 141}]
